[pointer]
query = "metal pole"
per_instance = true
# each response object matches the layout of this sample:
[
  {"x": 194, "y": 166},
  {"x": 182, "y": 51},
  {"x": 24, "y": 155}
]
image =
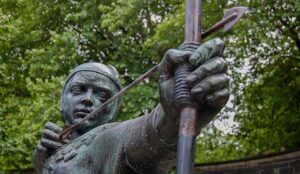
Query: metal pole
[{"x": 188, "y": 114}]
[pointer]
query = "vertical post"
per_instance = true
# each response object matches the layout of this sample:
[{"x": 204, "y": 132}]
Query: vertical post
[
  {"x": 188, "y": 114},
  {"x": 192, "y": 29}
]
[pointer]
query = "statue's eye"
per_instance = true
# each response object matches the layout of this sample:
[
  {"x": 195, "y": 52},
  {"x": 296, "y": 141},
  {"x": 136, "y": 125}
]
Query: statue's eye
[
  {"x": 102, "y": 96},
  {"x": 76, "y": 89}
]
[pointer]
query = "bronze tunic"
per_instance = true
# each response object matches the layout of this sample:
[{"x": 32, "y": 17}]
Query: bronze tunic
[{"x": 132, "y": 146}]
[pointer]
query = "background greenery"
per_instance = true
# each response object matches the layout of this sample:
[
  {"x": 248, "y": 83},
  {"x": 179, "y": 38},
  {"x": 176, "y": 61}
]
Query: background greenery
[{"x": 42, "y": 40}]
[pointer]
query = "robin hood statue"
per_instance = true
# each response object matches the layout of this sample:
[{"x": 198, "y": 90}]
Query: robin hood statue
[{"x": 146, "y": 144}]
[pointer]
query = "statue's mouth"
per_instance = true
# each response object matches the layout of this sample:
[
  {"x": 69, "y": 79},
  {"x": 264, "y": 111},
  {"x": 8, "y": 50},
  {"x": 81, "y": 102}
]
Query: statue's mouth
[{"x": 81, "y": 113}]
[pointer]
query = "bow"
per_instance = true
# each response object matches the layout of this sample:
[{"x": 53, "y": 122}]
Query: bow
[{"x": 193, "y": 34}]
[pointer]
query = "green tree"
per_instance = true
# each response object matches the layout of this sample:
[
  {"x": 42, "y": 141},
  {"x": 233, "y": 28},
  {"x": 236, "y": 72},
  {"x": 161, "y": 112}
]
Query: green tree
[
  {"x": 41, "y": 41},
  {"x": 268, "y": 111},
  {"x": 264, "y": 55}
]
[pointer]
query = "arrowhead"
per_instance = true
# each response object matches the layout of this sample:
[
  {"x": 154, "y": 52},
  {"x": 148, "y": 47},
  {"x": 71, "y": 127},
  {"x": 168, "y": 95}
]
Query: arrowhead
[{"x": 238, "y": 12}]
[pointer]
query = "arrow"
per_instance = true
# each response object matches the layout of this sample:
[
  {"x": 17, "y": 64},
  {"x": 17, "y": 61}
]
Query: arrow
[{"x": 68, "y": 128}]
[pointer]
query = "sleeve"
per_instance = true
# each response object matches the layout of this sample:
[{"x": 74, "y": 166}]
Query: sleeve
[
  {"x": 145, "y": 150},
  {"x": 38, "y": 161}
]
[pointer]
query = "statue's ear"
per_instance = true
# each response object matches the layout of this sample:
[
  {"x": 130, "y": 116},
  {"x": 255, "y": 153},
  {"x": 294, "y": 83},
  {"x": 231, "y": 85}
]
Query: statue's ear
[
  {"x": 63, "y": 100},
  {"x": 115, "y": 107},
  {"x": 62, "y": 105},
  {"x": 62, "y": 94}
]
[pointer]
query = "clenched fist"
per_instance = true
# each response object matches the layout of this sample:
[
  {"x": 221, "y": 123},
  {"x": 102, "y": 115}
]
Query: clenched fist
[{"x": 208, "y": 80}]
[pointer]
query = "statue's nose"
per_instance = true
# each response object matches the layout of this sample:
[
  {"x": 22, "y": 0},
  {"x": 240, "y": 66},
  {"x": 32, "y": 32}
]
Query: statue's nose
[{"x": 87, "y": 98}]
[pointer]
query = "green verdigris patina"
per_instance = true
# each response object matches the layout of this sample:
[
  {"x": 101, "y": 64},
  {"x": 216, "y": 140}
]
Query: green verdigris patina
[{"x": 146, "y": 144}]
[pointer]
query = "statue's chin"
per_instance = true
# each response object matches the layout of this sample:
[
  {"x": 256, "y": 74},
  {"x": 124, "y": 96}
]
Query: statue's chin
[
  {"x": 91, "y": 123},
  {"x": 85, "y": 127}
]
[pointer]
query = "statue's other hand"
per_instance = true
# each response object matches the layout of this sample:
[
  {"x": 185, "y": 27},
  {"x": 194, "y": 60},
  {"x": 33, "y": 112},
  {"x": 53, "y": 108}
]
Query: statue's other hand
[
  {"x": 48, "y": 144},
  {"x": 50, "y": 140},
  {"x": 209, "y": 83}
]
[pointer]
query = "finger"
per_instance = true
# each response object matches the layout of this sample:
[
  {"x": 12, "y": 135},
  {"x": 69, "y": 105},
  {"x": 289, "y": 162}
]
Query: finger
[
  {"x": 41, "y": 148},
  {"x": 171, "y": 59},
  {"x": 41, "y": 152},
  {"x": 51, "y": 144},
  {"x": 210, "y": 85},
  {"x": 53, "y": 127},
  {"x": 50, "y": 134},
  {"x": 210, "y": 49},
  {"x": 218, "y": 99},
  {"x": 214, "y": 103},
  {"x": 216, "y": 65}
]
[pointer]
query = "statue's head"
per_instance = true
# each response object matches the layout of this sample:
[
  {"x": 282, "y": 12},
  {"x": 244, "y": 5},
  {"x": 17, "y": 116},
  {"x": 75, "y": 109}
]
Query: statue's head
[{"x": 88, "y": 86}]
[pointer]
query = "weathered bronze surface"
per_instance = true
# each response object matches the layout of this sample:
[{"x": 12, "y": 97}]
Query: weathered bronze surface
[
  {"x": 193, "y": 36},
  {"x": 146, "y": 144},
  {"x": 91, "y": 143}
]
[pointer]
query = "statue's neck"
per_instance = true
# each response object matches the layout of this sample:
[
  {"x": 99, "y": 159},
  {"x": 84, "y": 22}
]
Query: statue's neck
[{"x": 75, "y": 134}]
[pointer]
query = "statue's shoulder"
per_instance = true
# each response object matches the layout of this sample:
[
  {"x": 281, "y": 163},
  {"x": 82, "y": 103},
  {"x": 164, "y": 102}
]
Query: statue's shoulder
[
  {"x": 82, "y": 144},
  {"x": 87, "y": 138}
]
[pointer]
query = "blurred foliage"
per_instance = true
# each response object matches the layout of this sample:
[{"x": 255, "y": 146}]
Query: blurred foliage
[
  {"x": 264, "y": 53},
  {"x": 41, "y": 41}
]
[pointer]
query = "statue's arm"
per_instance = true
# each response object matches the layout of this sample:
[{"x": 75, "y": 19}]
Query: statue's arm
[
  {"x": 155, "y": 137},
  {"x": 144, "y": 149},
  {"x": 39, "y": 159}
]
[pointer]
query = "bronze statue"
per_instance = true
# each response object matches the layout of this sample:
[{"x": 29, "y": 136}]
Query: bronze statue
[{"x": 146, "y": 144}]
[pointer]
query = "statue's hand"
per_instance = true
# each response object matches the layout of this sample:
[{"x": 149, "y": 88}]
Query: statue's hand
[
  {"x": 208, "y": 80},
  {"x": 50, "y": 141}
]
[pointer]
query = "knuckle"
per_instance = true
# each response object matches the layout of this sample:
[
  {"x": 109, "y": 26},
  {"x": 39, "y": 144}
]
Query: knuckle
[
  {"x": 225, "y": 92},
  {"x": 174, "y": 56},
  {"x": 43, "y": 141},
  {"x": 222, "y": 63},
  {"x": 40, "y": 147},
  {"x": 44, "y": 133},
  {"x": 218, "y": 63},
  {"x": 58, "y": 128},
  {"x": 227, "y": 78},
  {"x": 208, "y": 83},
  {"x": 55, "y": 127},
  {"x": 169, "y": 53},
  {"x": 223, "y": 77},
  {"x": 222, "y": 60},
  {"x": 225, "y": 64},
  {"x": 57, "y": 145},
  {"x": 218, "y": 41},
  {"x": 205, "y": 69},
  {"x": 47, "y": 124}
]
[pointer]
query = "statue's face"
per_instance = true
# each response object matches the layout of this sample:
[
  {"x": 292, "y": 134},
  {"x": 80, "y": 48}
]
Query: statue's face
[{"x": 85, "y": 92}]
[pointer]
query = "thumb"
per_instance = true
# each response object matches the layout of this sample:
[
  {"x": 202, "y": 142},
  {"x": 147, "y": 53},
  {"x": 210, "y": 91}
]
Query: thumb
[{"x": 171, "y": 60}]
